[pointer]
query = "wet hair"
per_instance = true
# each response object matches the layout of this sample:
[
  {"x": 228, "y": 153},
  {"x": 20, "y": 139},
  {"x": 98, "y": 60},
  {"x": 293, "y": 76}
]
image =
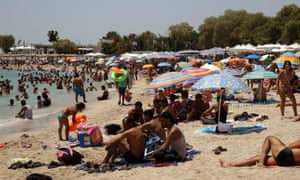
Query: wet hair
[
  {"x": 287, "y": 62},
  {"x": 149, "y": 113},
  {"x": 80, "y": 105},
  {"x": 169, "y": 116},
  {"x": 198, "y": 96},
  {"x": 23, "y": 102}
]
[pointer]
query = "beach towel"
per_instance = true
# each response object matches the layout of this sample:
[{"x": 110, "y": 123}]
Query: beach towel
[{"x": 235, "y": 130}]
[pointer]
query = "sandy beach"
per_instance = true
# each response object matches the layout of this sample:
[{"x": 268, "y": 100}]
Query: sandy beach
[{"x": 203, "y": 166}]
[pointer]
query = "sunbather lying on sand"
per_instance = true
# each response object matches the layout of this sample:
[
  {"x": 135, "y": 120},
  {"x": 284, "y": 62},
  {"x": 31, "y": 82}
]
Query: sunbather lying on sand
[{"x": 282, "y": 155}]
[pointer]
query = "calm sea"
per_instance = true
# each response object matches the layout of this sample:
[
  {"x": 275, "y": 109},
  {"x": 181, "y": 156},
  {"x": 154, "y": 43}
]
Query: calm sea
[{"x": 42, "y": 117}]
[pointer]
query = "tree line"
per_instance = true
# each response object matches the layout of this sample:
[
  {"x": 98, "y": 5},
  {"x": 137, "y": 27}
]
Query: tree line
[{"x": 227, "y": 30}]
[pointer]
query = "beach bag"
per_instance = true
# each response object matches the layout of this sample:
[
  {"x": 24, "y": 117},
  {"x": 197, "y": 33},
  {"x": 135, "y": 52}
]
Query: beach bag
[
  {"x": 153, "y": 142},
  {"x": 224, "y": 128},
  {"x": 68, "y": 156}
]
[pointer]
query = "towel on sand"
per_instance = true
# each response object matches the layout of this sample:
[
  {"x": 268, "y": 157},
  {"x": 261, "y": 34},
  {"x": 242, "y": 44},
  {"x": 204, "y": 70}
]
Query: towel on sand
[{"x": 235, "y": 130}]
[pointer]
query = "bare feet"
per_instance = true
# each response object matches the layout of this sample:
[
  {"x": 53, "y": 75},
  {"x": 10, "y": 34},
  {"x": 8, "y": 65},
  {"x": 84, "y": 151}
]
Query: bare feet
[
  {"x": 224, "y": 164},
  {"x": 296, "y": 118}
]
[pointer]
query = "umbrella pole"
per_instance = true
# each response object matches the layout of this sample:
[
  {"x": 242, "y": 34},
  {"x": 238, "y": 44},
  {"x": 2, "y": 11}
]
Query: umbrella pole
[{"x": 219, "y": 114}]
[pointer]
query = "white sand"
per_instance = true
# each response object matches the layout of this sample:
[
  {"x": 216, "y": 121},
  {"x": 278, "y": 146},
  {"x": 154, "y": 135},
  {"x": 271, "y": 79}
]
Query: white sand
[{"x": 203, "y": 166}]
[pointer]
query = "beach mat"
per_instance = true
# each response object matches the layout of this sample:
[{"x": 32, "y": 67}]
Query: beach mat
[
  {"x": 235, "y": 130},
  {"x": 189, "y": 156}
]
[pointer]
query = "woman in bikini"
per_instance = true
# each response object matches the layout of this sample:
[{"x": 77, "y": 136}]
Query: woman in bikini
[
  {"x": 282, "y": 155},
  {"x": 284, "y": 88}
]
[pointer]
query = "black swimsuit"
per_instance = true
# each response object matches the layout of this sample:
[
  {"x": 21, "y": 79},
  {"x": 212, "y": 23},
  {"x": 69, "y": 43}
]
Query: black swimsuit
[{"x": 285, "y": 157}]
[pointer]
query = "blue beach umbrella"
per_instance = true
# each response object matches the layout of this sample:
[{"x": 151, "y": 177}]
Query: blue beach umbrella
[
  {"x": 253, "y": 56},
  {"x": 164, "y": 64},
  {"x": 217, "y": 81}
]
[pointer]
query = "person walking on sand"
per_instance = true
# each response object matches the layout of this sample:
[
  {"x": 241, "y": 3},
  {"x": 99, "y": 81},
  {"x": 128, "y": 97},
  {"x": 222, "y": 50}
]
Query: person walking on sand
[
  {"x": 284, "y": 88},
  {"x": 282, "y": 155},
  {"x": 64, "y": 121},
  {"x": 78, "y": 87}
]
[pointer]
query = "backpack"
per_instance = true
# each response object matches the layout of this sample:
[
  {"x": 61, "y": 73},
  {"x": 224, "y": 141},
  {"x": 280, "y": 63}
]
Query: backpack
[{"x": 68, "y": 156}]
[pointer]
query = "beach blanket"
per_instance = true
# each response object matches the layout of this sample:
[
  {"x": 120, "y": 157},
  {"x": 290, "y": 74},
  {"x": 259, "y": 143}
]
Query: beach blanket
[
  {"x": 235, "y": 130},
  {"x": 241, "y": 104},
  {"x": 189, "y": 156}
]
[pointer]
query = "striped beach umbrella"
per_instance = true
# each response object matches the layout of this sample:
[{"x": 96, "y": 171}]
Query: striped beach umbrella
[
  {"x": 168, "y": 79},
  {"x": 292, "y": 59},
  {"x": 260, "y": 74},
  {"x": 200, "y": 72}
]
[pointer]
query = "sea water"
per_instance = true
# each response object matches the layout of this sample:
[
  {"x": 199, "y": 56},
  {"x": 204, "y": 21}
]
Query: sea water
[{"x": 42, "y": 117}]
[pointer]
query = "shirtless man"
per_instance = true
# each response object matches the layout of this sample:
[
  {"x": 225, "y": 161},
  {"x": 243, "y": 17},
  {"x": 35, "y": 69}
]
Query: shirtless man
[
  {"x": 152, "y": 125},
  {"x": 131, "y": 144},
  {"x": 282, "y": 155},
  {"x": 104, "y": 95},
  {"x": 64, "y": 121},
  {"x": 284, "y": 88},
  {"x": 78, "y": 88}
]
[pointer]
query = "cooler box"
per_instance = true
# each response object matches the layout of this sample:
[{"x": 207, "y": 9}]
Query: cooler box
[{"x": 85, "y": 140}]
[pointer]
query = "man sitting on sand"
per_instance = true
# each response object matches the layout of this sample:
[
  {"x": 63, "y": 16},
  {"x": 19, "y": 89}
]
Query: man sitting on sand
[
  {"x": 104, "y": 95},
  {"x": 152, "y": 125},
  {"x": 282, "y": 155},
  {"x": 25, "y": 112},
  {"x": 132, "y": 149}
]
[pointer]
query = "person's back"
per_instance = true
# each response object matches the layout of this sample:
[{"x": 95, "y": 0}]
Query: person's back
[
  {"x": 28, "y": 112},
  {"x": 154, "y": 126},
  {"x": 136, "y": 140}
]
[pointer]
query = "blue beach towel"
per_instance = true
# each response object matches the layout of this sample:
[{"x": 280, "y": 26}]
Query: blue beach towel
[{"x": 235, "y": 130}]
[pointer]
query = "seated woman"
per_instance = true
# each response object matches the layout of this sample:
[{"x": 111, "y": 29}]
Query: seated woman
[
  {"x": 218, "y": 112},
  {"x": 282, "y": 155},
  {"x": 174, "y": 148}
]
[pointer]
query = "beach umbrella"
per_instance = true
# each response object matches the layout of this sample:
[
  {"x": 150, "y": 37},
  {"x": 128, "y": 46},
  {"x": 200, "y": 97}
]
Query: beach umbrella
[
  {"x": 260, "y": 74},
  {"x": 217, "y": 81},
  {"x": 199, "y": 72},
  {"x": 146, "y": 66},
  {"x": 236, "y": 61},
  {"x": 168, "y": 79},
  {"x": 253, "y": 56},
  {"x": 211, "y": 67},
  {"x": 183, "y": 64},
  {"x": 232, "y": 72},
  {"x": 292, "y": 59},
  {"x": 164, "y": 64},
  {"x": 289, "y": 54}
]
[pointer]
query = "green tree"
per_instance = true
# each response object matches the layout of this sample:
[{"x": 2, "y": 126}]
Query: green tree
[
  {"x": 206, "y": 32},
  {"x": 110, "y": 43},
  {"x": 65, "y": 46},
  {"x": 6, "y": 42},
  {"x": 180, "y": 36},
  {"x": 52, "y": 36},
  {"x": 146, "y": 41}
]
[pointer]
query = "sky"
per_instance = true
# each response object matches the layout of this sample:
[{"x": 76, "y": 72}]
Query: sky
[{"x": 86, "y": 21}]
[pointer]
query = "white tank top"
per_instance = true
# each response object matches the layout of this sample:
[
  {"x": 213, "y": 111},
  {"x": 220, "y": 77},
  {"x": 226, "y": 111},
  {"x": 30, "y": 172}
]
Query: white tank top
[{"x": 179, "y": 145}]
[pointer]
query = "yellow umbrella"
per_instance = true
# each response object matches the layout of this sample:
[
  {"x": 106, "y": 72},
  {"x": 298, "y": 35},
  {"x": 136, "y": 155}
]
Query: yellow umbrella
[
  {"x": 148, "y": 66},
  {"x": 293, "y": 60}
]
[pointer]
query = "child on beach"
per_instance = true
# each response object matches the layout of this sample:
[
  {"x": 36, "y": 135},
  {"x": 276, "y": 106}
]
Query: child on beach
[{"x": 64, "y": 121}]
